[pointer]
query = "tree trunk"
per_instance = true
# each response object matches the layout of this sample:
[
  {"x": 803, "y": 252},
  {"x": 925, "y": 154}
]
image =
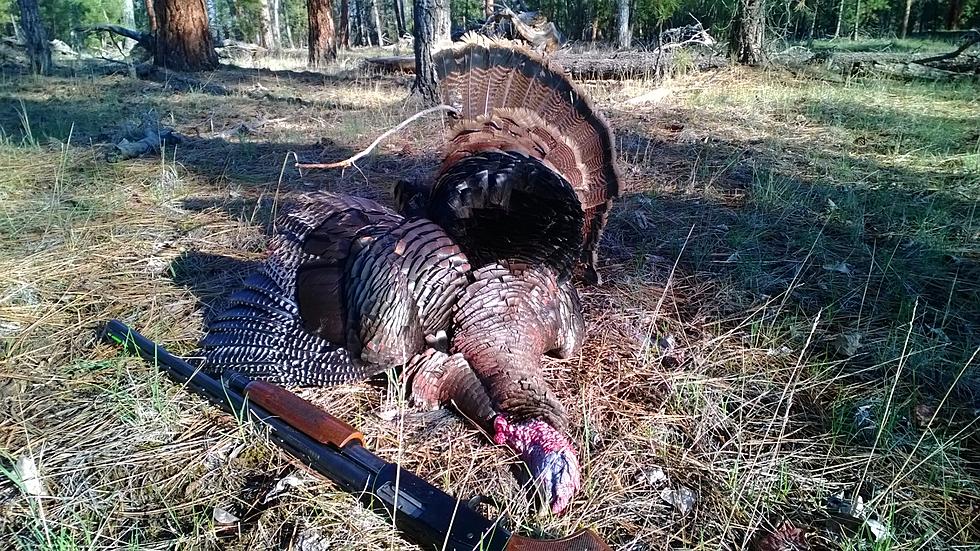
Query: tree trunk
[
  {"x": 357, "y": 23},
  {"x": 183, "y": 41},
  {"x": 38, "y": 47},
  {"x": 400, "y": 18},
  {"x": 748, "y": 32},
  {"x": 840, "y": 18},
  {"x": 905, "y": 18},
  {"x": 487, "y": 8},
  {"x": 267, "y": 38},
  {"x": 128, "y": 14},
  {"x": 343, "y": 30},
  {"x": 426, "y": 18},
  {"x": 288, "y": 27},
  {"x": 813, "y": 23},
  {"x": 322, "y": 47},
  {"x": 857, "y": 20},
  {"x": 953, "y": 15},
  {"x": 128, "y": 21},
  {"x": 442, "y": 20},
  {"x": 274, "y": 10},
  {"x": 623, "y": 35},
  {"x": 376, "y": 22},
  {"x": 151, "y": 16},
  {"x": 213, "y": 20}
]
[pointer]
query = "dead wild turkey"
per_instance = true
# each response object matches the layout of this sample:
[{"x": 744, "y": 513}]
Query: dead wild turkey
[{"x": 484, "y": 256}]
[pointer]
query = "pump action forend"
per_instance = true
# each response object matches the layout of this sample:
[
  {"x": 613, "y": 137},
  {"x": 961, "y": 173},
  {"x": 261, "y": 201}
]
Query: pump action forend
[{"x": 425, "y": 514}]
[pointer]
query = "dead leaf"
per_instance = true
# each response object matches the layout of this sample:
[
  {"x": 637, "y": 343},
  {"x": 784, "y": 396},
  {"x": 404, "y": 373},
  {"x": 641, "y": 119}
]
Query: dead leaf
[
  {"x": 923, "y": 414},
  {"x": 786, "y": 537},
  {"x": 849, "y": 343},
  {"x": 30, "y": 480},
  {"x": 670, "y": 355},
  {"x": 683, "y": 498},
  {"x": 311, "y": 539},
  {"x": 295, "y": 480},
  {"x": 842, "y": 267},
  {"x": 223, "y": 517},
  {"x": 863, "y": 421},
  {"x": 878, "y": 529},
  {"x": 654, "y": 476}
]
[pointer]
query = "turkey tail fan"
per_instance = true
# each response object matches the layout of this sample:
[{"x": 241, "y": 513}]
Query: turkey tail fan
[{"x": 516, "y": 101}]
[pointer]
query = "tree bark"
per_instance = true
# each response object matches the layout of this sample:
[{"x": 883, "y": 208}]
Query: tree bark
[
  {"x": 183, "y": 40},
  {"x": 267, "y": 37},
  {"x": 748, "y": 32},
  {"x": 400, "y": 18},
  {"x": 274, "y": 10},
  {"x": 128, "y": 14},
  {"x": 442, "y": 20},
  {"x": 151, "y": 16},
  {"x": 376, "y": 22},
  {"x": 213, "y": 20},
  {"x": 426, "y": 18},
  {"x": 38, "y": 47},
  {"x": 343, "y": 30},
  {"x": 323, "y": 50},
  {"x": 288, "y": 27},
  {"x": 840, "y": 19},
  {"x": 813, "y": 22},
  {"x": 623, "y": 34},
  {"x": 487, "y": 8},
  {"x": 953, "y": 14},
  {"x": 234, "y": 21},
  {"x": 357, "y": 32},
  {"x": 905, "y": 18},
  {"x": 857, "y": 20}
]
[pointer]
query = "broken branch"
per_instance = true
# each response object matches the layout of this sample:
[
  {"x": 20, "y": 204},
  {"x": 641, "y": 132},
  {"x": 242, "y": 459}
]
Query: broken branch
[
  {"x": 348, "y": 162},
  {"x": 144, "y": 40},
  {"x": 969, "y": 39}
]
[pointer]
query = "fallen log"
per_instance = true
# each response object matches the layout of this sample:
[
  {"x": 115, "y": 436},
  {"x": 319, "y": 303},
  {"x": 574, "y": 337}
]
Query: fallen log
[
  {"x": 154, "y": 137},
  {"x": 594, "y": 65},
  {"x": 394, "y": 63}
]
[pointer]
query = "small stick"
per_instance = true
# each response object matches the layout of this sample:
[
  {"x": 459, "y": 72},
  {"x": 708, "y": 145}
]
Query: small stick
[{"x": 351, "y": 160}]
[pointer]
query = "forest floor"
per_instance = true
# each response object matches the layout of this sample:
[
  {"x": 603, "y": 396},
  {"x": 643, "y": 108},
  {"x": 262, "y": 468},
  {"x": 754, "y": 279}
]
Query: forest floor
[{"x": 787, "y": 328}]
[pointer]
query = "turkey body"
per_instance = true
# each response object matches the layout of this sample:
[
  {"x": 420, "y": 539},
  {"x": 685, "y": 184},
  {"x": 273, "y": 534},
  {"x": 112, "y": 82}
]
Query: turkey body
[
  {"x": 350, "y": 289},
  {"x": 471, "y": 285}
]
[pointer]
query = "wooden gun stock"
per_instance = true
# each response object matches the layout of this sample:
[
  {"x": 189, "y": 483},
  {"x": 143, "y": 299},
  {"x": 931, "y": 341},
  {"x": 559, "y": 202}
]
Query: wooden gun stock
[
  {"x": 583, "y": 540},
  {"x": 302, "y": 415}
]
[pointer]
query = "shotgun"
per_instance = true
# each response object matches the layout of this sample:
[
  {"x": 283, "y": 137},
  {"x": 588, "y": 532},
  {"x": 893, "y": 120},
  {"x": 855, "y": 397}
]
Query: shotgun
[{"x": 425, "y": 514}]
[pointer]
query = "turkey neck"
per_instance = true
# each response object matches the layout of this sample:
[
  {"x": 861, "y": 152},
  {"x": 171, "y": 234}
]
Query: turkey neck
[{"x": 505, "y": 321}]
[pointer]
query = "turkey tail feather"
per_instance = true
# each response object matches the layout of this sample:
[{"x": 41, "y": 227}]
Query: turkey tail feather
[{"x": 514, "y": 100}]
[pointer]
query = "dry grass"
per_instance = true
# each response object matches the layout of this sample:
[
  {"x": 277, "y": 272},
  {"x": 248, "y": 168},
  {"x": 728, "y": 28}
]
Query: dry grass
[{"x": 766, "y": 221}]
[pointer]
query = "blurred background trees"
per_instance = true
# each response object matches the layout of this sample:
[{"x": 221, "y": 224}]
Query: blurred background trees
[{"x": 276, "y": 24}]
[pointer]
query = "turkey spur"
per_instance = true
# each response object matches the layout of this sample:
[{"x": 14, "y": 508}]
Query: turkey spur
[{"x": 470, "y": 285}]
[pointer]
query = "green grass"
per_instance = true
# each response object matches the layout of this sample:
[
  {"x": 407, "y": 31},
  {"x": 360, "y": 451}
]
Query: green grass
[{"x": 905, "y": 45}]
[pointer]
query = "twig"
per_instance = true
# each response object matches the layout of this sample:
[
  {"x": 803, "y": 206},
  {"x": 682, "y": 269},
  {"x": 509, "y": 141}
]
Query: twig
[{"x": 348, "y": 162}]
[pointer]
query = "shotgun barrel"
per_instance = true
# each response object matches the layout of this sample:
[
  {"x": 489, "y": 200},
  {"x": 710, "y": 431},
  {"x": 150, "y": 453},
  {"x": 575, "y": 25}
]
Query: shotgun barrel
[{"x": 425, "y": 514}]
